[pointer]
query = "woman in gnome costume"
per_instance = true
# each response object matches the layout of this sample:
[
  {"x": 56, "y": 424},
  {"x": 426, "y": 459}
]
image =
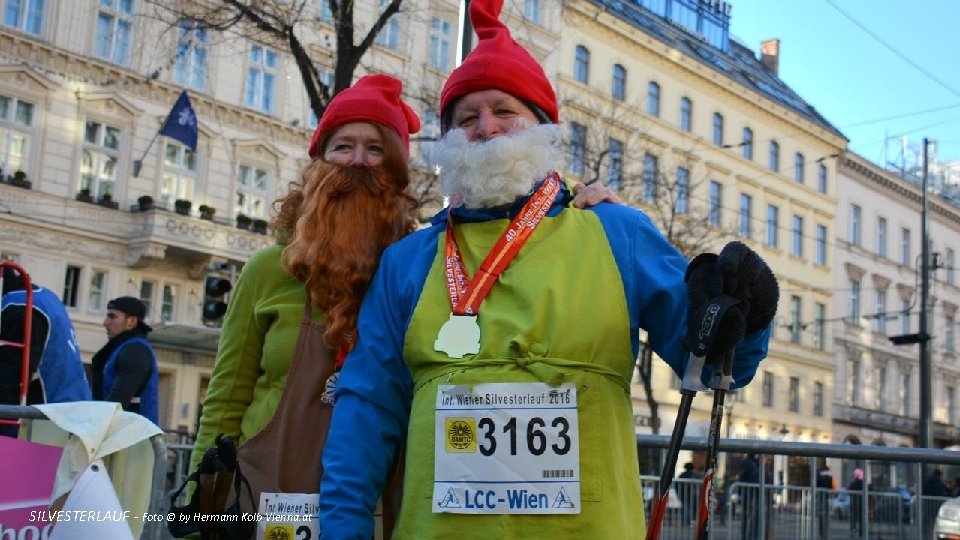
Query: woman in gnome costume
[{"x": 350, "y": 202}]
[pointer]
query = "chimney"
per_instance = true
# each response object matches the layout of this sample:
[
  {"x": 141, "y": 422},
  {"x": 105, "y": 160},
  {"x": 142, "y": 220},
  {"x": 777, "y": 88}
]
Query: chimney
[{"x": 770, "y": 55}]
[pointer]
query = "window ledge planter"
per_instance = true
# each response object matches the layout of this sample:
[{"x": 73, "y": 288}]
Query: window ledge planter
[
  {"x": 107, "y": 202},
  {"x": 259, "y": 226},
  {"x": 145, "y": 203},
  {"x": 207, "y": 212},
  {"x": 19, "y": 179},
  {"x": 243, "y": 222},
  {"x": 182, "y": 207},
  {"x": 84, "y": 196}
]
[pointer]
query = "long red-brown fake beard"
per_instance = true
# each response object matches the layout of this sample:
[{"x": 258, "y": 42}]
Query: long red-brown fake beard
[{"x": 347, "y": 217}]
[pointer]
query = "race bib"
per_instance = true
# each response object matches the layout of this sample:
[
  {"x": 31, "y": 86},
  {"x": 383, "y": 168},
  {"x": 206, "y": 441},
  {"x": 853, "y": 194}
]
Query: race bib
[
  {"x": 288, "y": 516},
  {"x": 507, "y": 448}
]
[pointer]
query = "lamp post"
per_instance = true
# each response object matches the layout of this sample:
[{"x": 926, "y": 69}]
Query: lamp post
[
  {"x": 785, "y": 467},
  {"x": 925, "y": 439},
  {"x": 926, "y": 432},
  {"x": 465, "y": 43}
]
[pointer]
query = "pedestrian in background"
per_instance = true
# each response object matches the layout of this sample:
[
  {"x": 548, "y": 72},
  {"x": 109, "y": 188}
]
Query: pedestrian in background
[
  {"x": 824, "y": 487},
  {"x": 125, "y": 370},
  {"x": 856, "y": 504},
  {"x": 749, "y": 481},
  {"x": 934, "y": 494},
  {"x": 688, "y": 493},
  {"x": 56, "y": 373}
]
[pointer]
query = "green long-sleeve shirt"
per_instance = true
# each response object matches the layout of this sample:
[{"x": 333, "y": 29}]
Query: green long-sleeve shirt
[{"x": 256, "y": 346}]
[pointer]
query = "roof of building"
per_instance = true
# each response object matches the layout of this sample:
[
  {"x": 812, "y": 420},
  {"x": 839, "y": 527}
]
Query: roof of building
[{"x": 739, "y": 63}]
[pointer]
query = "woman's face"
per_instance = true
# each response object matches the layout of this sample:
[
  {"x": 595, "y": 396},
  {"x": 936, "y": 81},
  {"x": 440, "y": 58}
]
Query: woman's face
[{"x": 358, "y": 143}]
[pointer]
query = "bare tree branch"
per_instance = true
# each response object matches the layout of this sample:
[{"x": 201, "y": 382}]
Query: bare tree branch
[{"x": 281, "y": 24}]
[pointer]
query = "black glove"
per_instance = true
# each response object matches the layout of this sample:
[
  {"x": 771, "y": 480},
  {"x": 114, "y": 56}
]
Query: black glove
[
  {"x": 747, "y": 277},
  {"x": 738, "y": 285},
  {"x": 715, "y": 322}
]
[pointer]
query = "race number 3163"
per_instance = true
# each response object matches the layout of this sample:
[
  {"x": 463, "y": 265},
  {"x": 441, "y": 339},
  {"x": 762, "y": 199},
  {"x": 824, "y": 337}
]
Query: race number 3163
[{"x": 536, "y": 434}]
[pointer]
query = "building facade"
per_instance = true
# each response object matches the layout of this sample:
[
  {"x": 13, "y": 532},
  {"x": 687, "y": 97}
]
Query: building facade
[{"x": 878, "y": 296}]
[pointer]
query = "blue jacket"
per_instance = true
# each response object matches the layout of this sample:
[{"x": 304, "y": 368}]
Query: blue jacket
[
  {"x": 149, "y": 398},
  {"x": 61, "y": 373}
]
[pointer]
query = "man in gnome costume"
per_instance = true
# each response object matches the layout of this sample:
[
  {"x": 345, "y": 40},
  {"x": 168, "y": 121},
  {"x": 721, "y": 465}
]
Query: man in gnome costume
[{"x": 510, "y": 385}]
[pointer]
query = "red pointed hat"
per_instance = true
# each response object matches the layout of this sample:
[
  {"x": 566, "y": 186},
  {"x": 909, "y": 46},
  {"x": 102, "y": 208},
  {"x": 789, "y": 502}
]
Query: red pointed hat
[
  {"x": 498, "y": 63},
  {"x": 374, "y": 98}
]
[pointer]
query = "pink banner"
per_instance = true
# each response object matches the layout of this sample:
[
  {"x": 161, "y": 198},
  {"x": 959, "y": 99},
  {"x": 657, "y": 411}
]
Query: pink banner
[{"x": 27, "y": 471}]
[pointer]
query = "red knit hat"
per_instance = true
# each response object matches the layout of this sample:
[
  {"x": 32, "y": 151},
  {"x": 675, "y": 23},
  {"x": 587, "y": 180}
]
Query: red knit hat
[
  {"x": 374, "y": 98},
  {"x": 498, "y": 63}
]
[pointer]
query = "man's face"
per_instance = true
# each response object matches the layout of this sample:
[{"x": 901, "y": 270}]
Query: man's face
[
  {"x": 487, "y": 114},
  {"x": 117, "y": 322}
]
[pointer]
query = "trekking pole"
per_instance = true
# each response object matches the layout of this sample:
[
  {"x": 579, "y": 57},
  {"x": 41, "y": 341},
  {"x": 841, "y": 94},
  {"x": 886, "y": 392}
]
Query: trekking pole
[
  {"x": 721, "y": 385},
  {"x": 700, "y": 343}
]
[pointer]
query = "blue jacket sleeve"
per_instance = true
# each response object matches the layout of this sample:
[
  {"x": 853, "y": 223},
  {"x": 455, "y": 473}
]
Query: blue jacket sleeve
[
  {"x": 372, "y": 408},
  {"x": 652, "y": 271}
]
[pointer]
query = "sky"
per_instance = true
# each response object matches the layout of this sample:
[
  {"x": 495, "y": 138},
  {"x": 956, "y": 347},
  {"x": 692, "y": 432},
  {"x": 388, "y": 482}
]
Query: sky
[{"x": 875, "y": 69}]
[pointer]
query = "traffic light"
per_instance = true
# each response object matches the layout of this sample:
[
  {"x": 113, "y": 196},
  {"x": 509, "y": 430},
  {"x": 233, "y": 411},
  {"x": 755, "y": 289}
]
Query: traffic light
[{"x": 214, "y": 302}]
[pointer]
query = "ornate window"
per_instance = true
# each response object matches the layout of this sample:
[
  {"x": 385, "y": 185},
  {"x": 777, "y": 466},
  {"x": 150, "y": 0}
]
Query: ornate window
[
  {"x": 179, "y": 174},
  {"x": 115, "y": 31},
  {"x": 16, "y": 134},
  {"x": 252, "y": 185},
  {"x": 439, "y": 44},
  {"x": 581, "y": 64},
  {"x": 619, "y": 82},
  {"x": 261, "y": 79},
  {"x": 191, "y": 66},
  {"x": 101, "y": 151},
  {"x": 653, "y": 99},
  {"x": 25, "y": 15}
]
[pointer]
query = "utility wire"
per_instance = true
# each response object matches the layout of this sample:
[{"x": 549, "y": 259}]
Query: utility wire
[
  {"x": 902, "y": 56},
  {"x": 904, "y": 115}
]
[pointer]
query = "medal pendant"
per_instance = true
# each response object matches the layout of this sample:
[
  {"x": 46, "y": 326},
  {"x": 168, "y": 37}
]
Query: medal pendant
[{"x": 458, "y": 336}]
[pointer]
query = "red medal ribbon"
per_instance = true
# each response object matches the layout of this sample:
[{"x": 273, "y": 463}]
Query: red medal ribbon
[{"x": 465, "y": 297}]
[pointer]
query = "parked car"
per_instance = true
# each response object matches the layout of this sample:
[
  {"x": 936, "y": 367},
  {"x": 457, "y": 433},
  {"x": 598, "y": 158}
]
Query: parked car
[
  {"x": 840, "y": 506},
  {"x": 893, "y": 503},
  {"x": 947, "y": 525}
]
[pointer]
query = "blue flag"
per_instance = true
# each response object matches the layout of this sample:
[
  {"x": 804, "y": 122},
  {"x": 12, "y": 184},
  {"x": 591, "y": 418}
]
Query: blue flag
[{"x": 181, "y": 123}]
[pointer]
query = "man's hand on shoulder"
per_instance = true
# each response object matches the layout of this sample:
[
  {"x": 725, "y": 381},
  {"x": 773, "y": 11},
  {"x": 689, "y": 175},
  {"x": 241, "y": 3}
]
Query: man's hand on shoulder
[{"x": 586, "y": 195}]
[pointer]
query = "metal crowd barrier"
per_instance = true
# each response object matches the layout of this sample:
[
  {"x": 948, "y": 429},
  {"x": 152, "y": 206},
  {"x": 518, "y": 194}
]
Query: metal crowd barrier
[
  {"x": 791, "y": 511},
  {"x": 774, "y": 510}
]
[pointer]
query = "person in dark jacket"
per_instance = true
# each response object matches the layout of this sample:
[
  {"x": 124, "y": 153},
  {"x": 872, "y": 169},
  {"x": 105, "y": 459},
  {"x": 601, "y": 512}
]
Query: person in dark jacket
[
  {"x": 55, "y": 371},
  {"x": 934, "y": 493},
  {"x": 824, "y": 487},
  {"x": 856, "y": 504},
  {"x": 750, "y": 497},
  {"x": 688, "y": 489},
  {"x": 125, "y": 369}
]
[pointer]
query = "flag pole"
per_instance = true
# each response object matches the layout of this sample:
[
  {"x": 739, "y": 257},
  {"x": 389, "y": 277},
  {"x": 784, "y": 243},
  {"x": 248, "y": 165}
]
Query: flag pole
[
  {"x": 180, "y": 124},
  {"x": 138, "y": 163}
]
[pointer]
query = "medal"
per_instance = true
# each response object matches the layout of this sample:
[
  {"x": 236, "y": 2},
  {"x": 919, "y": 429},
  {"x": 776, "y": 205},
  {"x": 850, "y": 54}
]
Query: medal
[{"x": 458, "y": 336}]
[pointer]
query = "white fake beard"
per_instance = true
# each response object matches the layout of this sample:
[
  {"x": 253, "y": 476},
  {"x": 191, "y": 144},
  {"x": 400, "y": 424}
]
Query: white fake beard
[{"x": 496, "y": 172}]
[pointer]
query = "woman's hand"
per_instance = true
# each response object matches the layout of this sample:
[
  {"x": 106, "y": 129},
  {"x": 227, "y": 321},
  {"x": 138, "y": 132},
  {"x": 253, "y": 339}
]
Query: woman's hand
[{"x": 593, "y": 194}]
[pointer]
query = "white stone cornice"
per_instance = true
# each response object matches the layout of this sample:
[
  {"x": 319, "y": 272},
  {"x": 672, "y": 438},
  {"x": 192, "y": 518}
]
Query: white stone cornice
[
  {"x": 25, "y": 76},
  {"x": 142, "y": 254},
  {"x": 109, "y": 102}
]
